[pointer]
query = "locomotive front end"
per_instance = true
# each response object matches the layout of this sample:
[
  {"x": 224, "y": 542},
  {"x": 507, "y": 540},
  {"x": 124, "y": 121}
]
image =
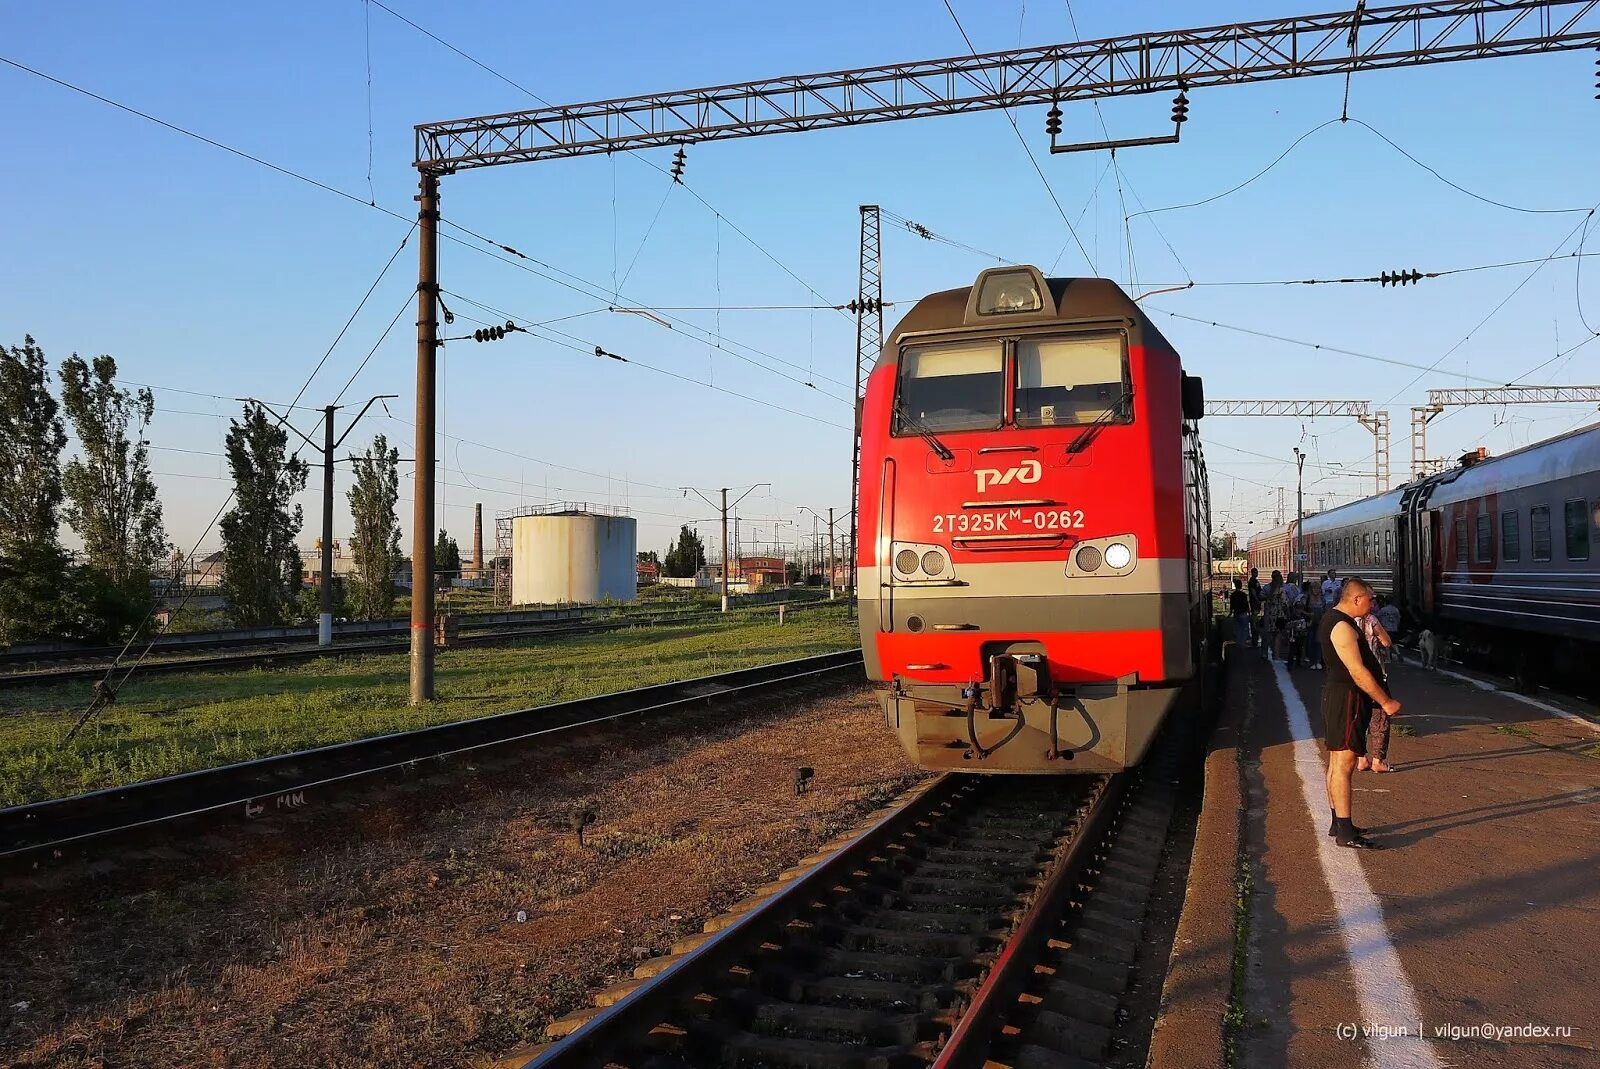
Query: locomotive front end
[{"x": 1032, "y": 522}]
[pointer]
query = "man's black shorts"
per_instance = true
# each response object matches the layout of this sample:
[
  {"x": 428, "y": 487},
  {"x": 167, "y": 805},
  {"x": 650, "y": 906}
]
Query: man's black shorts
[{"x": 1346, "y": 715}]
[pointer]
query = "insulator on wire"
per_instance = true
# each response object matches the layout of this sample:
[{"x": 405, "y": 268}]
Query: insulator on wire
[
  {"x": 494, "y": 333},
  {"x": 1052, "y": 120},
  {"x": 1399, "y": 278},
  {"x": 1180, "y": 105},
  {"x": 678, "y": 160}
]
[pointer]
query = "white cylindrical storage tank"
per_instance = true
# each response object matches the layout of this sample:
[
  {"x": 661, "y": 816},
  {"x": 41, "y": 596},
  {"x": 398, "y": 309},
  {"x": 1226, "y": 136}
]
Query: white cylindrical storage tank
[{"x": 573, "y": 557}]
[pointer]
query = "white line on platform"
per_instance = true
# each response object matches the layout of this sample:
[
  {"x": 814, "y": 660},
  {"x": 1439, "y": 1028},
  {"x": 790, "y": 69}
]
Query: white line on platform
[
  {"x": 1382, "y": 989},
  {"x": 1482, "y": 684}
]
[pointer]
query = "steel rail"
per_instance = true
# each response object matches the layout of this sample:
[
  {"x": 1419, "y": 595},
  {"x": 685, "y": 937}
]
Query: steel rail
[
  {"x": 997, "y": 994},
  {"x": 358, "y": 632},
  {"x": 622, "y": 1024},
  {"x": 281, "y": 782},
  {"x": 613, "y": 1031}
]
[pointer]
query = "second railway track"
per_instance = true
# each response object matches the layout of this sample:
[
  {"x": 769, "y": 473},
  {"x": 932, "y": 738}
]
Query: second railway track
[
  {"x": 290, "y": 781},
  {"x": 38, "y": 670}
]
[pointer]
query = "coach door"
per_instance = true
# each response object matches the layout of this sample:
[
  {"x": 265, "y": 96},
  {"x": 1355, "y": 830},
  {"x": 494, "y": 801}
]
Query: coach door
[{"x": 1432, "y": 560}]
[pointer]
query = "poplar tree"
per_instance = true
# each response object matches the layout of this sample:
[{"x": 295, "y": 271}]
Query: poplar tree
[
  {"x": 375, "y": 541},
  {"x": 111, "y": 500},
  {"x": 261, "y": 564},
  {"x": 446, "y": 556},
  {"x": 31, "y": 439},
  {"x": 685, "y": 558}
]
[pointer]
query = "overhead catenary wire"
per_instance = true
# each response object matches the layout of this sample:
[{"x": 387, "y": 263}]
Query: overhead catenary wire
[
  {"x": 647, "y": 161},
  {"x": 1027, "y": 151},
  {"x": 1383, "y": 137},
  {"x": 580, "y": 345},
  {"x": 580, "y": 285}
]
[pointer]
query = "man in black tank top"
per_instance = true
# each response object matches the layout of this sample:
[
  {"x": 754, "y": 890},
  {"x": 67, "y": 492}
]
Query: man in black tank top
[{"x": 1350, "y": 689}]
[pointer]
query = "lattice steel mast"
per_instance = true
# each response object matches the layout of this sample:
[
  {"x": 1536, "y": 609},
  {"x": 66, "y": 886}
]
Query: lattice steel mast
[{"x": 868, "y": 307}]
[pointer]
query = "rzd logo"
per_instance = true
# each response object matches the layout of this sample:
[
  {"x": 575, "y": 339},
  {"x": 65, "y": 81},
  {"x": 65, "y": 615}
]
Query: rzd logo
[{"x": 1029, "y": 471}]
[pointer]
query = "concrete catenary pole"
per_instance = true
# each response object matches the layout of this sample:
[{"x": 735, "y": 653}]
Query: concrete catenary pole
[
  {"x": 325, "y": 613},
  {"x": 724, "y": 549},
  {"x": 422, "y": 496},
  {"x": 833, "y": 562}
]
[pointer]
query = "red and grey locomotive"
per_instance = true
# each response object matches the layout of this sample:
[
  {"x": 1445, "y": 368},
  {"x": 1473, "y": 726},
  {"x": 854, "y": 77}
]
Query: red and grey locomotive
[{"x": 1034, "y": 527}]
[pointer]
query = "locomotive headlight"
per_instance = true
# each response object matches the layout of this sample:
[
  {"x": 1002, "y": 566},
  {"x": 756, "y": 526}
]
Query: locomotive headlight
[
  {"x": 906, "y": 561},
  {"x": 933, "y": 562},
  {"x": 1008, "y": 291},
  {"x": 1118, "y": 555}
]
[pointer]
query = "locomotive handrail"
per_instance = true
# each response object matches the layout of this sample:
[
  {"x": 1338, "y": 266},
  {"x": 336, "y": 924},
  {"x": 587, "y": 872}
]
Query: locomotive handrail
[
  {"x": 1015, "y": 538},
  {"x": 1019, "y": 502}
]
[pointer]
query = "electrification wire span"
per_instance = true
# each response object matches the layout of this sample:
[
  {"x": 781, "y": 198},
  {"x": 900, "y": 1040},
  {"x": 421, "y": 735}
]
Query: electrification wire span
[
  {"x": 1381, "y": 136},
  {"x": 1026, "y": 150},
  {"x": 584, "y": 286},
  {"x": 675, "y": 179},
  {"x": 590, "y": 348}
]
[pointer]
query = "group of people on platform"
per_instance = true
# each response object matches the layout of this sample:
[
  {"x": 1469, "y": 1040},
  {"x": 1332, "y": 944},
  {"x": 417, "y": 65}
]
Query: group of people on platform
[
  {"x": 1286, "y": 617},
  {"x": 1300, "y": 623}
]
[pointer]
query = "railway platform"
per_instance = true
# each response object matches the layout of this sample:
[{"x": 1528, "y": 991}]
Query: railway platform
[{"x": 1471, "y": 939}]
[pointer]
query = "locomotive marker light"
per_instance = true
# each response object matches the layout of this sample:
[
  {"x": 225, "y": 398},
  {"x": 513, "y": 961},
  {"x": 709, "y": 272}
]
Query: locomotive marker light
[{"x": 1118, "y": 556}]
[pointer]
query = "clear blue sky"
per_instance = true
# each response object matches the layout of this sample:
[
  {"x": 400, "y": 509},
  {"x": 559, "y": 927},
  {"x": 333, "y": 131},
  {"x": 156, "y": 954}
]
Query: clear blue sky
[{"x": 201, "y": 271}]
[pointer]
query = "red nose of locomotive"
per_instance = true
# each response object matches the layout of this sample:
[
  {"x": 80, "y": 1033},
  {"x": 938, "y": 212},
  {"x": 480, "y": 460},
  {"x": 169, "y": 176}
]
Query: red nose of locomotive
[{"x": 1025, "y": 576}]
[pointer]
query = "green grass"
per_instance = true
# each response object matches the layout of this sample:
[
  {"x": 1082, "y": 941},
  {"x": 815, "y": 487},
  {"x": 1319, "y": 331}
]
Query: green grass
[{"x": 167, "y": 724}]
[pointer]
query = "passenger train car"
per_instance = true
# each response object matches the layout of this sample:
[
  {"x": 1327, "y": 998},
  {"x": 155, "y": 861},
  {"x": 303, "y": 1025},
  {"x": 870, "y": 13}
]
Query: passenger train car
[
  {"x": 1500, "y": 552},
  {"x": 1034, "y": 527}
]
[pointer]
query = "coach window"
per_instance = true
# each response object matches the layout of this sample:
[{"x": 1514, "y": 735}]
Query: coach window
[
  {"x": 959, "y": 387},
  {"x": 1069, "y": 381},
  {"x": 1388, "y": 547},
  {"x": 1577, "y": 517},
  {"x": 1461, "y": 541},
  {"x": 1510, "y": 537},
  {"x": 1485, "y": 547},
  {"x": 1539, "y": 523}
]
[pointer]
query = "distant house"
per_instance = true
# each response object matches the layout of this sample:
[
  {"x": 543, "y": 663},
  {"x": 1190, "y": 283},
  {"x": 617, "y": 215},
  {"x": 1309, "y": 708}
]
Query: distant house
[
  {"x": 649, "y": 572},
  {"x": 311, "y": 564},
  {"x": 758, "y": 572}
]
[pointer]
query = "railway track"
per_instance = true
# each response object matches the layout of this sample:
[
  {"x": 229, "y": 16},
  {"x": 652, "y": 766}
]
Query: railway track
[
  {"x": 289, "y": 782},
  {"x": 280, "y": 653},
  {"x": 987, "y": 921}
]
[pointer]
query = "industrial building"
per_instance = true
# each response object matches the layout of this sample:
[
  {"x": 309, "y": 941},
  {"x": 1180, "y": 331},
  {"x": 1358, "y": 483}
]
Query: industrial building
[{"x": 570, "y": 553}]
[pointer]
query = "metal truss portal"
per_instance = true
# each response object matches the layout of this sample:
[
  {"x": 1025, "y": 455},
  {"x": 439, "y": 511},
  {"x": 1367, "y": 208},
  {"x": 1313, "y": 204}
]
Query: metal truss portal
[
  {"x": 1360, "y": 411},
  {"x": 1362, "y": 39},
  {"x": 1517, "y": 395},
  {"x": 1438, "y": 400},
  {"x": 1302, "y": 409}
]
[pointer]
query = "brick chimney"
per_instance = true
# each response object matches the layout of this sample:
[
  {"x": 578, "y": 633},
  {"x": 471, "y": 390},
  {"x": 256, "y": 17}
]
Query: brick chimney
[{"x": 477, "y": 541}]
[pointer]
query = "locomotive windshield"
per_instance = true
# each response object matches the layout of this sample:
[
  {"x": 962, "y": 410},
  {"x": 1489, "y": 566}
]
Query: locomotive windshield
[
  {"x": 954, "y": 387},
  {"x": 1069, "y": 381}
]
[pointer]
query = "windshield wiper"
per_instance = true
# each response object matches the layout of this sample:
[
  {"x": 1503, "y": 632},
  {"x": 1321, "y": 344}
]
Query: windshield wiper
[
  {"x": 920, "y": 429},
  {"x": 1103, "y": 420}
]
